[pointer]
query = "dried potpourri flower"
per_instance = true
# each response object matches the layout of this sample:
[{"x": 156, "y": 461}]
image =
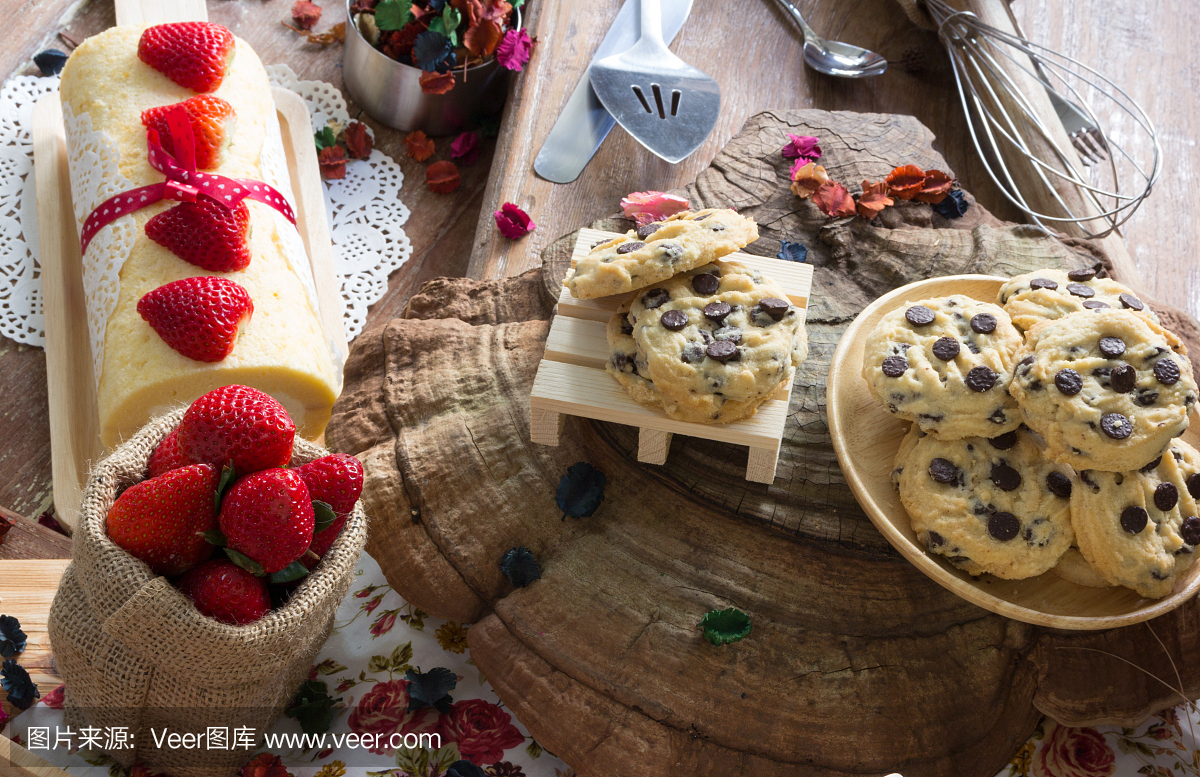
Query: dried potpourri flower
[
  {"x": 904, "y": 182},
  {"x": 807, "y": 178},
  {"x": 648, "y": 207},
  {"x": 418, "y": 146},
  {"x": 936, "y": 188},
  {"x": 431, "y": 689},
  {"x": 22, "y": 692},
  {"x": 520, "y": 567},
  {"x": 442, "y": 177},
  {"x": 56, "y": 698},
  {"x": 792, "y": 252},
  {"x": 833, "y": 200},
  {"x": 358, "y": 141},
  {"x": 513, "y": 222},
  {"x": 722, "y": 627},
  {"x": 12, "y": 639},
  {"x": 437, "y": 83},
  {"x": 515, "y": 50},
  {"x": 333, "y": 163},
  {"x": 466, "y": 147},
  {"x": 802, "y": 147},
  {"x": 954, "y": 206},
  {"x": 335, "y": 34},
  {"x": 265, "y": 765},
  {"x": 874, "y": 199},
  {"x": 306, "y": 14},
  {"x": 580, "y": 491}
]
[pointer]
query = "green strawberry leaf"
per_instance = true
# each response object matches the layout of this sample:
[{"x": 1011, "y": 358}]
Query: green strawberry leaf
[
  {"x": 228, "y": 475},
  {"x": 245, "y": 562},
  {"x": 324, "y": 515},
  {"x": 293, "y": 571},
  {"x": 313, "y": 707},
  {"x": 215, "y": 537},
  {"x": 393, "y": 14}
]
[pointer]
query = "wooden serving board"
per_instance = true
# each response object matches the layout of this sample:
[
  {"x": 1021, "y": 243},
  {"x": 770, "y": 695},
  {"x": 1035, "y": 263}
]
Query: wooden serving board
[
  {"x": 27, "y": 589},
  {"x": 571, "y": 379},
  {"x": 74, "y": 419}
]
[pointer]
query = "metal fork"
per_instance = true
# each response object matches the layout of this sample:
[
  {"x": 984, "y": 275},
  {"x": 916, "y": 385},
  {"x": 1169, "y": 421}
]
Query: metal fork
[{"x": 1085, "y": 136}]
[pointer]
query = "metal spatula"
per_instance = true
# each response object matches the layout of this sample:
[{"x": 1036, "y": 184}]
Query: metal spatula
[{"x": 663, "y": 102}]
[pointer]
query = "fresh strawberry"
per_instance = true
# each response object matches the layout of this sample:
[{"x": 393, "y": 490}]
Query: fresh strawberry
[
  {"x": 212, "y": 120},
  {"x": 205, "y": 234},
  {"x": 237, "y": 424},
  {"x": 167, "y": 456},
  {"x": 159, "y": 520},
  {"x": 268, "y": 517},
  {"x": 192, "y": 54},
  {"x": 336, "y": 480},
  {"x": 225, "y": 592},
  {"x": 198, "y": 317}
]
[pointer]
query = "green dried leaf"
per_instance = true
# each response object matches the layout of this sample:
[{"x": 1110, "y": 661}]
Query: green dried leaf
[
  {"x": 293, "y": 571},
  {"x": 721, "y": 627},
  {"x": 325, "y": 139},
  {"x": 323, "y": 514},
  {"x": 245, "y": 562},
  {"x": 580, "y": 491},
  {"x": 393, "y": 14},
  {"x": 451, "y": 18},
  {"x": 313, "y": 707}
]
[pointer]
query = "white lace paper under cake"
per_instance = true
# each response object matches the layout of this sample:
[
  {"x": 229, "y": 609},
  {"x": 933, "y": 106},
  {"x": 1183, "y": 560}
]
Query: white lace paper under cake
[{"x": 366, "y": 217}]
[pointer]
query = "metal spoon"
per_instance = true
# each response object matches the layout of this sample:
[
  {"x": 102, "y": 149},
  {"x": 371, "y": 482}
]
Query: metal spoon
[{"x": 832, "y": 57}]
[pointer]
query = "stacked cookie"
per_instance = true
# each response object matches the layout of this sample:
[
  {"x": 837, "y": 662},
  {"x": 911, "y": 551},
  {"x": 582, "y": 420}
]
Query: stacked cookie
[
  {"x": 704, "y": 340},
  {"x": 1087, "y": 476}
]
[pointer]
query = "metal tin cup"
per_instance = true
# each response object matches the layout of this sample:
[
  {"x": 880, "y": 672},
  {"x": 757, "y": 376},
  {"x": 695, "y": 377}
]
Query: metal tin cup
[{"x": 390, "y": 91}]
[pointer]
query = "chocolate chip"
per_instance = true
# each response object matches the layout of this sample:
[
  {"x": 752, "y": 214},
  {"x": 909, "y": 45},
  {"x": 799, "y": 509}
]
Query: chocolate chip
[
  {"x": 671, "y": 251},
  {"x": 1116, "y": 426},
  {"x": 943, "y": 471},
  {"x": 655, "y": 298},
  {"x": 1003, "y": 526},
  {"x": 981, "y": 378},
  {"x": 1166, "y": 496},
  {"x": 692, "y": 353},
  {"x": 702, "y": 218},
  {"x": 998, "y": 416},
  {"x": 1152, "y": 465},
  {"x": 945, "y": 348},
  {"x": 1146, "y": 398},
  {"x": 1189, "y": 530},
  {"x": 774, "y": 307},
  {"x": 895, "y": 366},
  {"x": 646, "y": 230},
  {"x": 717, "y": 311},
  {"x": 1112, "y": 347},
  {"x": 1133, "y": 519},
  {"x": 1079, "y": 290},
  {"x": 1095, "y": 304},
  {"x": 630, "y": 247},
  {"x": 919, "y": 315},
  {"x": 1027, "y": 361},
  {"x": 1004, "y": 441},
  {"x": 626, "y": 326},
  {"x": 1043, "y": 283},
  {"x": 721, "y": 350},
  {"x": 1059, "y": 484},
  {"x": 1086, "y": 274},
  {"x": 1068, "y": 381},
  {"x": 1131, "y": 302},
  {"x": 1167, "y": 371},
  {"x": 620, "y": 361},
  {"x": 935, "y": 540},
  {"x": 731, "y": 333},
  {"x": 1005, "y": 477},
  {"x": 705, "y": 283},
  {"x": 983, "y": 323},
  {"x": 1124, "y": 379},
  {"x": 1193, "y": 485},
  {"x": 674, "y": 320}
]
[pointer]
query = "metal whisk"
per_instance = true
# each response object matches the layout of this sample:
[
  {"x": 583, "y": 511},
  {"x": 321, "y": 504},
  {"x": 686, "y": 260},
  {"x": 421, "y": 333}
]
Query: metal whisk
[{"x": 1011, "y": 90}]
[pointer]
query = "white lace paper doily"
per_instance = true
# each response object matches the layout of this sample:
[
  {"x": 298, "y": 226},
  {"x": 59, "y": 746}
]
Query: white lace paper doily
[{"x": 366, "y": 217}]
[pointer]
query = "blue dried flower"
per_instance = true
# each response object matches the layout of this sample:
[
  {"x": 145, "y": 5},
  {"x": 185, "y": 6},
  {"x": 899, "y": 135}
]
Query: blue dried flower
[
  {"x": 792, "y": 252},
  {"x": 520, "y": 567},
  {"x": 464, "y": 768},
  {"x": 954, "y": 206},
  {"x": 430, "y": 49},
  {"x": 50, "y": 61},
  {"x": 431, "y": 689},
  {"x": 12, "y": 639},
  {"x": 22, "y": 692}
]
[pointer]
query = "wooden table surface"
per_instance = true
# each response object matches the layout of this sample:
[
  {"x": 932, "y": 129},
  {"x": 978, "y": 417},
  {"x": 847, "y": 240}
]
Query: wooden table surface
[{"x": 753, "y": 50}]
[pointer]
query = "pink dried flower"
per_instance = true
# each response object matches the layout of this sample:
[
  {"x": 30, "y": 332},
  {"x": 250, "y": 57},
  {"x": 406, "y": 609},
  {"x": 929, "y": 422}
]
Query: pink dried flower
[
  {"x": 648, "y": 207},
  {"x": 513, "y": 222},
  {"x": 466, "y": 147},
  {"x": 514, "y": 50},
  {"x": 802, "y": 147}
]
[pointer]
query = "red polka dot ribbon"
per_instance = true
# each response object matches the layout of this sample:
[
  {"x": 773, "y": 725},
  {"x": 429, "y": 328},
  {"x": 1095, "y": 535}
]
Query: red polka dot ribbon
[{"x": 183, "y": 182}]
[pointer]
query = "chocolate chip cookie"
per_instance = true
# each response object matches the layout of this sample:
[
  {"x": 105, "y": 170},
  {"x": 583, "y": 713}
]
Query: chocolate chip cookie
[
  {"x": 945, "y": 364},
  {"x": 708, "y": 346},
  {"x": 995, "y": 506},
  {"x": 1049, "y": 294},
  {"x": 1140, "y": 529},
  {"x": 1074, "y": 568},
  {"x": 1104, "y": 388},
  {"x": 657, "y": 251}
]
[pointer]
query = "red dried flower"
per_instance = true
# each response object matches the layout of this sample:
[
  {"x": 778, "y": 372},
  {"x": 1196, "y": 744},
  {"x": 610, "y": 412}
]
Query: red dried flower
[
  {"x": 333, "y": 163},
  {"x": 418, "y": 146},
  {"x": 265, "y": 765},
  {"x": 482, "y": 39},
  {"x": 442, "y": 177},
  {"x": 437, "y": 83},
  {"x": 833, "y": 200},
  {"x": 335, "y": 34},
  {"x": 358, "y": 140},
  {"x": 306, "y": 14},
  {"x": 514, "y": 51},
  {"x": 807, "y": 178},
  {"x": 513, "y": 222},
  {"x": 904, "y": 182},
  {"x": 466, "y": 147},
  {"x": 801, "y": 147},
  {"x": 937, "y": 187},
  {"x": 874, "y": 199},
  {"x": 647, "y": 207}
]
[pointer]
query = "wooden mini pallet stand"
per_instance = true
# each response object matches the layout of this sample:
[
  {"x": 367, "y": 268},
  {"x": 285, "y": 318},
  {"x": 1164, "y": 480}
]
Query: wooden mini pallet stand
[{"x": 571, "y": 379}]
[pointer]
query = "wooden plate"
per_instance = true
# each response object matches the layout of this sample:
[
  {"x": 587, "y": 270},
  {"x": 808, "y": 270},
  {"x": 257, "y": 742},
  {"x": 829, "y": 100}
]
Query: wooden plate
[{"x": 866, "y": 437}]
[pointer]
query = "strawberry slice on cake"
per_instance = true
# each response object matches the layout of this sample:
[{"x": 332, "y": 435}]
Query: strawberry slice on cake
[
  {"x": 213, "y": 122},
  {"x": 194, "y": 55},
  {"x": 198, "y": 317}
]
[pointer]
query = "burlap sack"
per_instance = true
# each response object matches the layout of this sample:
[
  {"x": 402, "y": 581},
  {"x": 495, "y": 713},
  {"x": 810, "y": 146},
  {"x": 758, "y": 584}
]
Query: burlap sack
[{"x": 135, "y": 655}]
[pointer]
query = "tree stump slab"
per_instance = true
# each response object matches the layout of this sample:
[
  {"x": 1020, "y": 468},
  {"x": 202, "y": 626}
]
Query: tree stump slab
[{"x": 857, "y": 663}]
